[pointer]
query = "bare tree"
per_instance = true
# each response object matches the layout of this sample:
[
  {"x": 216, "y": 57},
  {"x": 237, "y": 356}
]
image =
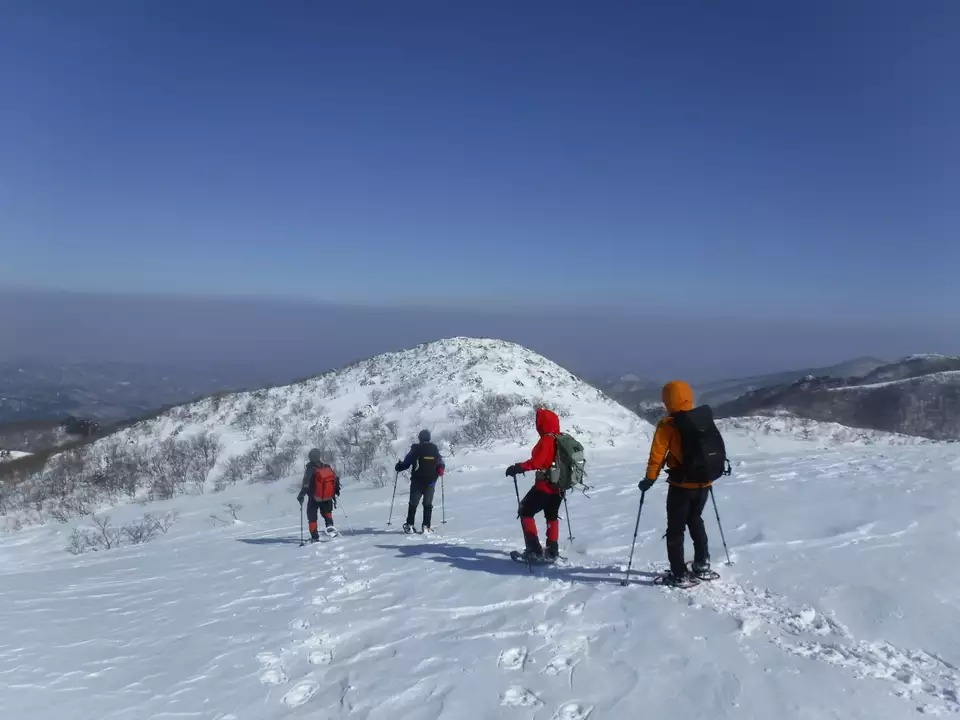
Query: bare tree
[
  {"x": 141, "y": 531},
  {"x": 108, "y": 537},
  {"x": 166, "y": 522}
]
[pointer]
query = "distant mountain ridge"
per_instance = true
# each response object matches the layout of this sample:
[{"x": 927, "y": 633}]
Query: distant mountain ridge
[
  {"x": 918, "y": 395},
  {"x": 642, "y": 395}
]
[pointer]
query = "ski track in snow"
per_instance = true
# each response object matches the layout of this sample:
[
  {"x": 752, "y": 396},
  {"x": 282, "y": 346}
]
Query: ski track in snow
[{"x": 382, "y": 625}]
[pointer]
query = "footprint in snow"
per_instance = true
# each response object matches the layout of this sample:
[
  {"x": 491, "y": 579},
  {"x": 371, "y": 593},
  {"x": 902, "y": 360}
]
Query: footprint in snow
[
  {"x": 559, "y": 664},
  {"x": 299, "y": 624},
  {"x": 319, "y": 640},
  {"x": 575, "y": 609},
  {"x": 301, "y": 693},
  {"x": 352, "y": 588},
  {"x": 268, "y": 660},
  {"x": 573, "y": 711},
  {"x": 338, "y": 578},
  {"x": 274, "y": 676},
  {"x": 320, "y": 657},
  {"x": 519, "y": 697},
  {"x": 330, "y": 610},
  {"x": 513, "y": 658}
]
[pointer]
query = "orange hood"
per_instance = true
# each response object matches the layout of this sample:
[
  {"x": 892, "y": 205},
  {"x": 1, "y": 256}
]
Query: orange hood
[
  {"x": 547, "y": 421},
  {"x": 677, "y": 396}
]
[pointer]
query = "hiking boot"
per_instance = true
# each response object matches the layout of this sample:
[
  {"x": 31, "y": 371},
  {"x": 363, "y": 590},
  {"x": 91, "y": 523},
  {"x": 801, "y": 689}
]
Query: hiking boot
[
  {"x": 532, "y": 556},
  {"x": 698, "y": 567},
  {"x": 408, "y": 528},
  {"x": 427, "y": 530},
  {"x": 314, "y": 538},
  {"x": 553, "y": 550},
  {"x": 331, "y": 531},
  {"x": 683, "y": 580}
]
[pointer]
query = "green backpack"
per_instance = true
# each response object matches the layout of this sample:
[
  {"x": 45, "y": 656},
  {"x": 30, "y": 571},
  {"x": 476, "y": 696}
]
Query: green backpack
[{"x": 569, "y": 467}]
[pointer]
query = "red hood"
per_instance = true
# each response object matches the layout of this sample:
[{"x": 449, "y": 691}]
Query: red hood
[{"x": 547, "y": 421}]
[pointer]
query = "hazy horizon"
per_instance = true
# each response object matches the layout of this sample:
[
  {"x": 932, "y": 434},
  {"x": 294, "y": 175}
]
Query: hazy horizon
[{"x": 280, "y": 340}]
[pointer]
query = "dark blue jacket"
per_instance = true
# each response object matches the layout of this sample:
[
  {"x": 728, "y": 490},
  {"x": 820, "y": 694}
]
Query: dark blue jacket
[{"x": 418, "y": 452}]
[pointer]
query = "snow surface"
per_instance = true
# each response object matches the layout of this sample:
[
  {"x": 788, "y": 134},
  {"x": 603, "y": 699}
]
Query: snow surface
[
  {"x": 14, "y": 455},
  {"x": 843, "y": 602}
]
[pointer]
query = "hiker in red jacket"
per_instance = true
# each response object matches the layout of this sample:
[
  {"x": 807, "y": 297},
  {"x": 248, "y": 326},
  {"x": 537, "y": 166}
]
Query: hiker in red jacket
[{"x": 543, "y": 495}]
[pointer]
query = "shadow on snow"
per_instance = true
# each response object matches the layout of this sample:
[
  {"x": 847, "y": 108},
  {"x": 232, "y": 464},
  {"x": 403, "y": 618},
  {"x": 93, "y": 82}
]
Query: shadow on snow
[
  {"x": 499, "y": 562},
  {"x": 295, "y": 540}
]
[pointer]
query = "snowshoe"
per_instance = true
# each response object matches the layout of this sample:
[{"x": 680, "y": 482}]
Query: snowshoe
[
  {"x": 528, "y": 557},
  {"x": 332, "y": 532},
  {"x": 314, "y": 539},
  {"x": 407, "y": 528},
  {"x": 682, "y": 582},
  {"x": 427, "y": 530},
  {"x": 702, "y": 571}
]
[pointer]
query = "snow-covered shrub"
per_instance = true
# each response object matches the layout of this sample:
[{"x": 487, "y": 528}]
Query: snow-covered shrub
[
  {"x": 237, "y": 468},
  {"x": 489, "y": 418},
  {"x": 104, "y": 536}
]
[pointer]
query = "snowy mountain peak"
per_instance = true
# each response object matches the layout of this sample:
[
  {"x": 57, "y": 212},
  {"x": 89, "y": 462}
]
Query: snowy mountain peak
[{"x": 474, "y": 395}]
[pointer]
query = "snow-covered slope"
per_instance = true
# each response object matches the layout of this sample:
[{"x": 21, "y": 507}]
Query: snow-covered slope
[
  {"x": 782, "y": 431},
  {"x": 842, "y": 603},
  {"x": 456, "y": 388},
  {"x": 475, "y": 395}
]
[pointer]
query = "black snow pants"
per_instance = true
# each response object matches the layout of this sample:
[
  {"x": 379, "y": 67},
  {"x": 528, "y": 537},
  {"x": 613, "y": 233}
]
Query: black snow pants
[
  {"x": 421, "y": 490},
  {"x": 684, "y": 508},
  {"x": 326, "y": 510}
]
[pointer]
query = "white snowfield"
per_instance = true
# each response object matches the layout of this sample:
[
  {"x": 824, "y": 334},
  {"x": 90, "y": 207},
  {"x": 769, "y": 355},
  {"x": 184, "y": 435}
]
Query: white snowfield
[
  {"x": 6, "y": 456},
  {"x": 843, "y": 602}
]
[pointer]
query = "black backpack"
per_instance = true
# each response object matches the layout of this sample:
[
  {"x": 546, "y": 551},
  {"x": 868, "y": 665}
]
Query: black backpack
[
  {"x": 704, "y": 452},
  {"x": 428, "y": 458}
]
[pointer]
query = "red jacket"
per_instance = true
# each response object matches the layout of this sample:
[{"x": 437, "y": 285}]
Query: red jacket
[{"x": 544, "y": 451}]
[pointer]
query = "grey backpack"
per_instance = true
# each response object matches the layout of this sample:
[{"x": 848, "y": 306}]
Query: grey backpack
[{"x": 569, "y": 467}]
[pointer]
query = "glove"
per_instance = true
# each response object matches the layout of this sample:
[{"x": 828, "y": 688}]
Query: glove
[
  {"x": 440, "y": 471},
  {"x": 300, "y": 498},
  {"x": 398, "y": 467},
  {"x": 645, "y": 484},
  {"x": 515, "y": 470}
]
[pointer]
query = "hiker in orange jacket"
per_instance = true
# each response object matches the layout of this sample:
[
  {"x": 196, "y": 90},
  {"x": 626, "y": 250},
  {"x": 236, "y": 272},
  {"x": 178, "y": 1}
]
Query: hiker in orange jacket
[
  {"x": 543, "y": 496},
  {"x": 685, "y": 499}
]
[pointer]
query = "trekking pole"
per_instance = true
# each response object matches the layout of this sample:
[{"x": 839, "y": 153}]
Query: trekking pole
[
  {"x": 301, "y": 525},
  {"x": 395, "y": 481},
  {"x": 717, "y": 512},
  {"x": 566, "y": 511},
  {"x": 346, "y": 517},
  {"x": 516, "y": 489},
  {"x": 636, "y": 530},
  {"x": 443, "y": 505}
]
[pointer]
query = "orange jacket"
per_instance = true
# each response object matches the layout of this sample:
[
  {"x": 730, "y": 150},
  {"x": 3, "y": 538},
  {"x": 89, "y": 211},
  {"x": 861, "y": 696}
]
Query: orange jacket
[{"x": 666, "y": 448}]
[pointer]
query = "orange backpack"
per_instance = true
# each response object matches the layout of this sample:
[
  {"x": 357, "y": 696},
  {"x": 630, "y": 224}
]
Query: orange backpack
[{"x": 324, "y": 484}]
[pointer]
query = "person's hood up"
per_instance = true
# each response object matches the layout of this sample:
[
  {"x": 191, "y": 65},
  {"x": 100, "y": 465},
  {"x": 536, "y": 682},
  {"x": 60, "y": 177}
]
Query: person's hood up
[
  {"x": 677, "y": 396},
  {"x": 547, "y": 421}
]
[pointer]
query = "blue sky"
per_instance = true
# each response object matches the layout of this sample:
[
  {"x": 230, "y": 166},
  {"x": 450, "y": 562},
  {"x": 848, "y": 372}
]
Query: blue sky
[{"x": 755, "y": 159}]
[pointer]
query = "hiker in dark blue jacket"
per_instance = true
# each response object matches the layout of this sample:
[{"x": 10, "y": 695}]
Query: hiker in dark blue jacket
[{"x": 424, "y": 457}]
